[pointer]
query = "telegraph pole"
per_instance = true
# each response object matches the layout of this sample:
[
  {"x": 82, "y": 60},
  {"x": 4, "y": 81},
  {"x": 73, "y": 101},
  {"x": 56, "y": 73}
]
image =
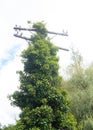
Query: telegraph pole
[{"x": 18, "y": 29}]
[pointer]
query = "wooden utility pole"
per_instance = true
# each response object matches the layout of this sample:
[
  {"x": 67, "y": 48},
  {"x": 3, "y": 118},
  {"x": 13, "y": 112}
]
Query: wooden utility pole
[{"x": 18, "y": 29}]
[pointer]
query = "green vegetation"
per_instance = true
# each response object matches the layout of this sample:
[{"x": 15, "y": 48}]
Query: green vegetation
[
  {"x": 80, "y": 88},
  {"x": 9, "y": 127},
  {"x": 43, "y": 103},
  {"x": 47, "y": 101}
]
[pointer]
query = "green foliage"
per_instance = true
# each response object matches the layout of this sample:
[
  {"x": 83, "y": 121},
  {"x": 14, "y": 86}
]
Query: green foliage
[
  {"x": 34, "y": 128},
  {"x": 9, "y": 127},
  {"x": 88, "y": 124},
  {"x": 41, "y": 30},
  {"x": 40, "y": 116},
  {"x": 80, "y": 88},
  {"x": 44, "y": 105}
]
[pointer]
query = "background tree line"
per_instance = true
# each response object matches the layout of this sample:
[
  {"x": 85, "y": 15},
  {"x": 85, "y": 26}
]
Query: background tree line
[{"x": 80, "y": 90}]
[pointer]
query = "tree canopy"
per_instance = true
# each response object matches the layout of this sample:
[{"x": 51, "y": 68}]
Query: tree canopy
[{"x": 80, "y": 88}]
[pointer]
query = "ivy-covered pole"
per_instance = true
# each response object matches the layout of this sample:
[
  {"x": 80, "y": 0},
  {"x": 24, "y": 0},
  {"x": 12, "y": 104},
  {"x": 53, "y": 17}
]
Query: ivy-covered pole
[{"x": 43, "y": 103}]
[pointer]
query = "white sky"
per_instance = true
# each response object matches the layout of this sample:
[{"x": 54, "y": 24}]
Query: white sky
[{"x": 75, "y": 16}]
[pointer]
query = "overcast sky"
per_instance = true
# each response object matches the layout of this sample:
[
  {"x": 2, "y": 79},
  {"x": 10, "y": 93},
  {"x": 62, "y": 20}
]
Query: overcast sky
[{"x": 74, "y": 16}]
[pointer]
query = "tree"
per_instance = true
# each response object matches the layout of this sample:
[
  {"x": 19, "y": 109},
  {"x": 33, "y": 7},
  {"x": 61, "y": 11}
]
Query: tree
[
  {"x": 76, "y": 72},
  {"x": 44, "y": 105},
  {"x": 80, "y": 87}
]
